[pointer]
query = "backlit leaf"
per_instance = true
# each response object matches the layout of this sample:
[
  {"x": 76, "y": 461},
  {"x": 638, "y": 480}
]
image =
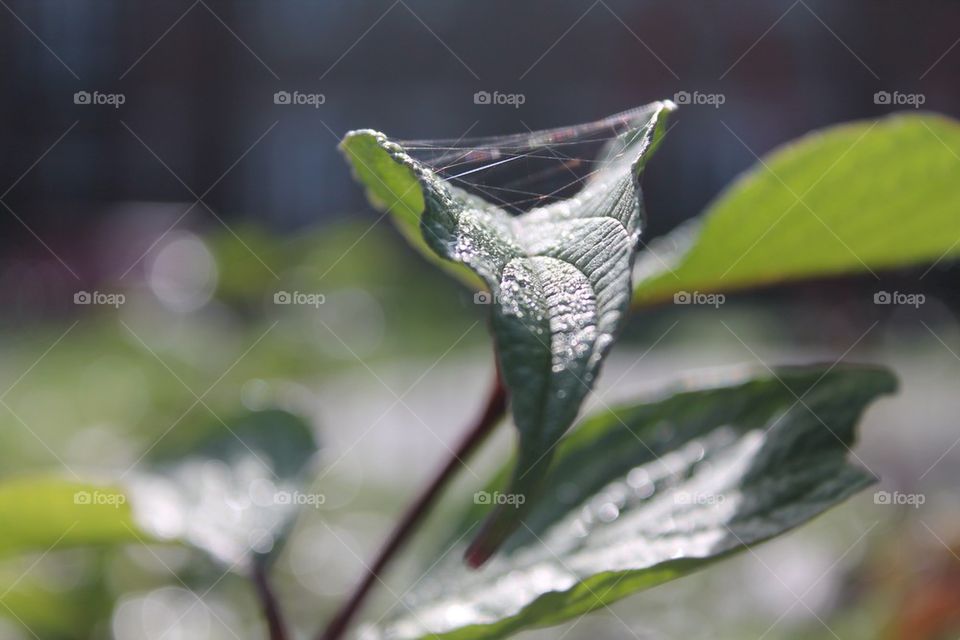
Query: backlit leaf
[{"x": 850, "y": 199}]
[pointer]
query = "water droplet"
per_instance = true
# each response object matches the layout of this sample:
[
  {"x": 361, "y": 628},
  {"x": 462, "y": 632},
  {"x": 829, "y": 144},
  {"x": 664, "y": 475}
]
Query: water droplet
[{"x": 608, "y": 512}]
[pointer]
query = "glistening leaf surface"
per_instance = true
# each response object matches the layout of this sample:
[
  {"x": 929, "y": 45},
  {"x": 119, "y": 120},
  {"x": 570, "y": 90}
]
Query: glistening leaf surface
[
  {"x": 559, "y": 276},
  {"x": 393, "y": 188},
  {"x": 233, "y": 492},
  {"x": 646, "y": 493},
  {"x": 848, "y": 199}
]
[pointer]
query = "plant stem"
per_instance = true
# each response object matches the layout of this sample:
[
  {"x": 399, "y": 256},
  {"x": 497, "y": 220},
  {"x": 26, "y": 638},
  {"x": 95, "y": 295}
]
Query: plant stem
[
  {"x": 268, "y": 601},
  {"x": 494, "y": 410}
]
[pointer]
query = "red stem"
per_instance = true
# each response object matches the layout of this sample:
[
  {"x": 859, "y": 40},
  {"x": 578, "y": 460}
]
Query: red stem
[
  {"x": 495, "y": 409},
  {"x": 268, "y": 601}
]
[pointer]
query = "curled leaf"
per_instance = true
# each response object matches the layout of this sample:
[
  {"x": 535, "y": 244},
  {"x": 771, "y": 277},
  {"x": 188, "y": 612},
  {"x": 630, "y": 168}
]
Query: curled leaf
[{"x": 559, "y": 277}]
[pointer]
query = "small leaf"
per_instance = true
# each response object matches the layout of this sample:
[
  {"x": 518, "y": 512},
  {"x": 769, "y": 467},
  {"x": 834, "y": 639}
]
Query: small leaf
[
  {"x": 233, "y": 492},
  {"x": 849, "y": 199},
  {"x": 646, "y": 493},
  {"x": 43, "y": 512},
  {"x": 559, "y": 275}
]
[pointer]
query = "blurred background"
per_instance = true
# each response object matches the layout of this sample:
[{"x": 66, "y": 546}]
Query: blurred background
[{"x": 150, "y": 152}]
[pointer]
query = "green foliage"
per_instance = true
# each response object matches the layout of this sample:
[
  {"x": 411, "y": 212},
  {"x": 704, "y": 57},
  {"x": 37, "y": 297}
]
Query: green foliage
[
  {"x": 559, "y": 276},
  {"x": 646, "y": 493},
  {"x": 631, "y": 498},
  {"x": 233, "y": 492},
  {"x": 42, "y": 513},
  {"x": 853, "y": 198},
  {"x": 393, "y": 187}
]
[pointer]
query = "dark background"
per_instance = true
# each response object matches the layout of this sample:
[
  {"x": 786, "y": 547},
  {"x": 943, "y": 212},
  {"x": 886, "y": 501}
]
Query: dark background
[{"x": 198, "y": 80}]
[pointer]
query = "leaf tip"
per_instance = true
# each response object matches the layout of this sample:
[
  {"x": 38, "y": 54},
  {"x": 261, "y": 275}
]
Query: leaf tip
[
  {"x": 477, "y": 555},
  {"x": 497, "y": 527},
  {"x": 359, "y": 133},
  {"x": 485, "y": 544}
]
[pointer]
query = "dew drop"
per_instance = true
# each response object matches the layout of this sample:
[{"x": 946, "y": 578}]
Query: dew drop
[{"x": 608, "y": 512}]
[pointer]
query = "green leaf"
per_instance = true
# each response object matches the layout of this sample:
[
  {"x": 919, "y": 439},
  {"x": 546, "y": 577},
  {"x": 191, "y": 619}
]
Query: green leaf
[
  {"x": 646, "y": 493},
  {"x": 40, "y": 513},
  {"x": 393, "y": 188},
  {"x": 849, "y": 199},
  {"x": 559, "y": 277},
  {"x": 233, "y": 492}
]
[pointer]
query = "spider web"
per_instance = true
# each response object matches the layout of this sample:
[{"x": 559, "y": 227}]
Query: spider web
[{"x": 522, "y": 171}]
